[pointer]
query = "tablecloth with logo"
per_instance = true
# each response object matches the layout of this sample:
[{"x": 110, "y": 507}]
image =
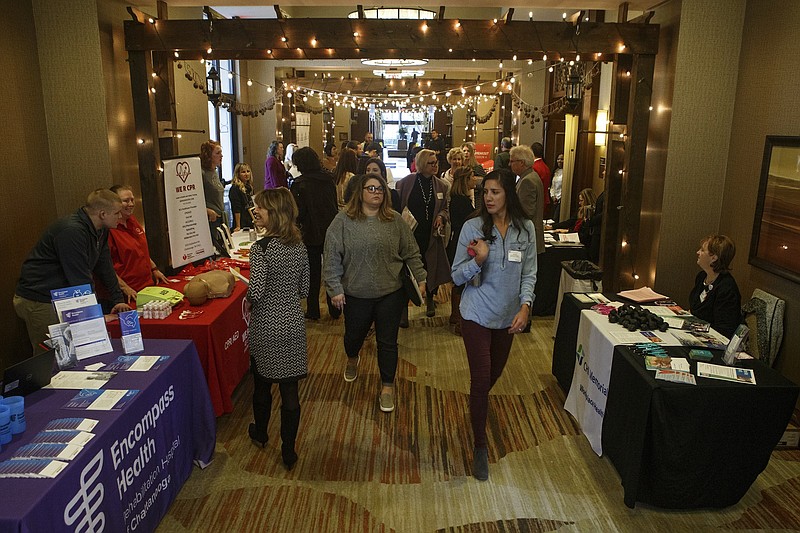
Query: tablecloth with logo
[
  {"x": 126, "y": 476},
  {"x": 220, "y": 335}
]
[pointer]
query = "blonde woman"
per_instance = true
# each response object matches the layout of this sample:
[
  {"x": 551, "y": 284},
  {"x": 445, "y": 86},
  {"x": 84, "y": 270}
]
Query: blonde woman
[
  {"x": 279, "y": 278},
  {"x": 241, "y": 196},
  {"x": 455, "y": 157}
]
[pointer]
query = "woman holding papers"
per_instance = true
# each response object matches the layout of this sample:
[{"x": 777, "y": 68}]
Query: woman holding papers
[
  {"x": 365, "y": 248},
  {"x": 279, "y": 278},
  {"x": 715, "y": 297},
  {"x": 586, "y": 202},
  {"x": 496, "y": 259}
]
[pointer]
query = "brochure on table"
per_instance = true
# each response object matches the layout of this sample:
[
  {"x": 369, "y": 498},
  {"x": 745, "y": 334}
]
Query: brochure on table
[{"x": 77, "y": 306}]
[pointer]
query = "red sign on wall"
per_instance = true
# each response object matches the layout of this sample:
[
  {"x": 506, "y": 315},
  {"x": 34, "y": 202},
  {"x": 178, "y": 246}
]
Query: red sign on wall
[{"x": 483, "y": 152}]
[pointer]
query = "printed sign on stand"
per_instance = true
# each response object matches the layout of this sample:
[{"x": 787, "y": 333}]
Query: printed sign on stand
[{"x": 189, "y": 233}]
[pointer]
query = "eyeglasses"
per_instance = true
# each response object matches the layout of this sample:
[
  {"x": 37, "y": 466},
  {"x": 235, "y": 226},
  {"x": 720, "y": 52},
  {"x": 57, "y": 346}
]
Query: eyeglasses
[
  {"x": 433, "y": 163},
  {"x": 375, "y": 188}
]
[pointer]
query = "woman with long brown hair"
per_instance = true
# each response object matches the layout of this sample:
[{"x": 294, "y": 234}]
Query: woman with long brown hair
[
  {"x": 241, "y": 196},
  {"x": 346, "y": 168},
  {"x": 279, "y": 278}
]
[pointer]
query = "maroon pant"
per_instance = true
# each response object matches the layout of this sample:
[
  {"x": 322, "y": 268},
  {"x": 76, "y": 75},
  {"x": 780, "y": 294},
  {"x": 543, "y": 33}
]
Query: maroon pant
[{"x": 487, "y": 354}]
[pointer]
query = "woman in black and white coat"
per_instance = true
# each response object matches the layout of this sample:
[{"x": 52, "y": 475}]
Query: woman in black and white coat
[{"x": 279, "y": 279}]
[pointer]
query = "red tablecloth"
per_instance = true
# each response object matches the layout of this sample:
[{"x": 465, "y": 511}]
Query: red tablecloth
[{"x": 219, "y": 334}]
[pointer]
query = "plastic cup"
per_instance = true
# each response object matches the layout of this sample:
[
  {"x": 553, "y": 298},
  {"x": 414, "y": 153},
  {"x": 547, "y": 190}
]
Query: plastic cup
[
  {"x": 17, "y": 406},
  {"x": 5, "y": 424}
]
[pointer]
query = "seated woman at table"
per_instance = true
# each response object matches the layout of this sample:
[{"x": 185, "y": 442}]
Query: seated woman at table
[
  {"x": 715, "y": 297},
  {"x": 279, "y": 279},
  {"x": 129, "y": 252},
  {"x": 586, "y": 203},
  {"x": 241, "y": 196}
]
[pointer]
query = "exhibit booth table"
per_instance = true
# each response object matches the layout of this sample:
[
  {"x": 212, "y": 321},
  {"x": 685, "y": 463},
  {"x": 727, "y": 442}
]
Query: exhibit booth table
[
  {"x": 125, "y": 477},
  {"x": 219, "y": 333},
  {"x": 681, "y": 446},
  {"x": 674, "y": 445},
  {"x": 548, "y": 274}
]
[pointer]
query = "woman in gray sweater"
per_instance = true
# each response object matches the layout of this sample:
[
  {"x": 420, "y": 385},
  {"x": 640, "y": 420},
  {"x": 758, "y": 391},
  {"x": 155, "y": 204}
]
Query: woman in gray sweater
[{"x": 365, "y": 248}]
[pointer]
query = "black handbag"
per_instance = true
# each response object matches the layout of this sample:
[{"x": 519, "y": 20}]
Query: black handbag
[{"x": 410, "y": 285}]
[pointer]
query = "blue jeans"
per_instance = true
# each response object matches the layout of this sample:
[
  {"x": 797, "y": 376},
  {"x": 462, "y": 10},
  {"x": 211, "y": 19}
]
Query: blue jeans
[{"x": 385, "y": 312}]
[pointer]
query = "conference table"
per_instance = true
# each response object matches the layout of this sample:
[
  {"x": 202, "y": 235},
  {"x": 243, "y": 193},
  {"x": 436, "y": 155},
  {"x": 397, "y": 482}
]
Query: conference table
[
  {"x": 674, "y": 446},
  {"x": 220, "y": 334},
  {"x": 680, "y": 446},
  {"x": 548, "y": 275},
  {"x": 127, "y": 475}
]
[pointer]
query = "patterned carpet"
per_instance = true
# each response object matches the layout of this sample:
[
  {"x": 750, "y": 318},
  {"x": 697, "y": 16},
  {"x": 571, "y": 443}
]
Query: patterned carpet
[{"x": 409, "y": 471}]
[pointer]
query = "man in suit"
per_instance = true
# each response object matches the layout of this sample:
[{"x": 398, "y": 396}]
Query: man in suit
[
  {"x": 529, "y": 190},
  {"x": 502, "y": 159}
]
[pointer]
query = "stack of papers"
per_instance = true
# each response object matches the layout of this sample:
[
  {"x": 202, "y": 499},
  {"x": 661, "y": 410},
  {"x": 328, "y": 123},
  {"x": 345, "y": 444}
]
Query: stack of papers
[
  {"x": 645, "y": 294},
  {"x": 47, "y": 454}
]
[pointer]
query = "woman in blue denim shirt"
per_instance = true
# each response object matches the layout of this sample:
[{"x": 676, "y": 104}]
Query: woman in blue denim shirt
[{"x": 496, "y": 259}]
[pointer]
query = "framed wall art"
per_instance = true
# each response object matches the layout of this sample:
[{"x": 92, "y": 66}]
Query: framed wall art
[{"x": 775, "y": 245}]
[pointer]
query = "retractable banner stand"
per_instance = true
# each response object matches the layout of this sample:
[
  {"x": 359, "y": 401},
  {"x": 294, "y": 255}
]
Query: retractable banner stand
[{"x": 189, "y": 233}]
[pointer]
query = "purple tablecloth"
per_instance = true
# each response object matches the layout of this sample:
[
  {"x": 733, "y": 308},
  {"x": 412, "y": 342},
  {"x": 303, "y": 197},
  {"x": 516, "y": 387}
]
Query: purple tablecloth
[{"x": 129, "y": 473}]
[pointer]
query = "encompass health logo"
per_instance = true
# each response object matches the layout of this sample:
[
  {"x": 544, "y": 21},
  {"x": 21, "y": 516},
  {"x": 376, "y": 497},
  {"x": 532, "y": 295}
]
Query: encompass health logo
[{"x": 82, "y": 507}]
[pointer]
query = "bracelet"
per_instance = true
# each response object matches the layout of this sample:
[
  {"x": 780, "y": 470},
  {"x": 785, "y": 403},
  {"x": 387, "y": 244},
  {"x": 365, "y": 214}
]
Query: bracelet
[{"x": 153, "y": 269}]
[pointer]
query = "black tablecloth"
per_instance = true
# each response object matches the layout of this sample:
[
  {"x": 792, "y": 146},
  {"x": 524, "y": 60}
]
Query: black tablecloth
[
  {"x": 548, "y": 276},
  {"x": 566, "y": 340},
  {"x": 682, "y": 446}
]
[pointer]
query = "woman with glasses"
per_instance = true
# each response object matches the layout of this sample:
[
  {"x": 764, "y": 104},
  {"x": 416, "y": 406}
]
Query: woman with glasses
[
  {"x": 425, "y": 196},
  {"x": 366, "y": 246},
  {"x": 496, "y": 262}
]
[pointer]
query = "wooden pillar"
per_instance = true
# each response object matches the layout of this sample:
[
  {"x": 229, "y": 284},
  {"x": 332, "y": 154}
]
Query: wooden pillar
[
  {"x": 149, "y": 156},
  {"x": 164, "y": 83},
  {"x": 632, "y": 95}
]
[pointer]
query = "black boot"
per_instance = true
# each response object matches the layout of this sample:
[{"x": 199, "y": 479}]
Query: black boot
[
  {"x": 430, "y": 306},
  {"x": 262, "y": 408},
  {"x": 290, "y": 420}
]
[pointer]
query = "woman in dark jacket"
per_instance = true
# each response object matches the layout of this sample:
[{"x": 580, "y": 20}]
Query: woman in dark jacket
[
  {"x": 580, "y": 224},
  {"x": 461, "y": 207},
  {"x": 315, "y": 194},
  {"x": 715, "y": 297}
]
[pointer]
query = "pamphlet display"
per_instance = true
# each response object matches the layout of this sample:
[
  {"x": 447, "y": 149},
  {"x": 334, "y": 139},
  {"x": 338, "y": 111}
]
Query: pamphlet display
[
  {"x": 189, "y": 232},
  {"x": 131, "y": 332},
  {"x": 84, "y": 333}
]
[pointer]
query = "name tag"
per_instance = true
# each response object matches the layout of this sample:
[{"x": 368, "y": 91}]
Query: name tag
[
  {"x": 515, "y": 256},
  {"x": 439, "y": 196}
]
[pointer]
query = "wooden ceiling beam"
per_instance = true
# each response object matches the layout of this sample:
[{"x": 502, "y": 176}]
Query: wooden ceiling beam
[{"x": 334, "y": 39}]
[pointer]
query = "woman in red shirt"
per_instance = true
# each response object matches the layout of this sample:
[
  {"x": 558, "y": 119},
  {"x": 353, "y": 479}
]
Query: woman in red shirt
[{"x": 129, "y": 252}]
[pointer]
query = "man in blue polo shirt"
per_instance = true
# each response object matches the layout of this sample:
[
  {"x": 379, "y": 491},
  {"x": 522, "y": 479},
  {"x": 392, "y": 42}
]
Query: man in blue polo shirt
[{"x": 69, "y": 253}]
